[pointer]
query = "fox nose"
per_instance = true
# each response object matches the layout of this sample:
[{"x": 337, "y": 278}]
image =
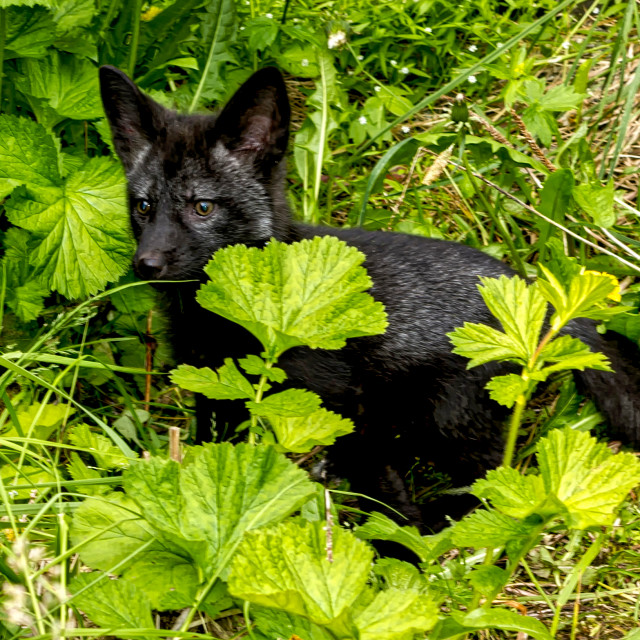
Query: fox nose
[{"x": 150, "y": 265}]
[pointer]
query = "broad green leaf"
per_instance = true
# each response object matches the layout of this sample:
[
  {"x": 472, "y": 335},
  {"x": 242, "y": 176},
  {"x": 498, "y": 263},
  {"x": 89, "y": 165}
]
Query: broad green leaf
[
  {"x": 487, "y": 528},
  {"x": 287, "y": 567},
  {"x": 275, "y": 623},
  {"x": 28, "y": 154},
  {"x": 112, "y": 604},
  {"x": 307, "y": 293},
  {"x": 106, "y": 454},
  {"x": 570, "y": 353},
  {"x": 24, "y": 3},
  {"x": 69, "y": 85},
  {"x": 44, "y": 419},
  {"x": 586, "y": 477},
  {"x": 396, "y": 614},
  {"x": 70, "y": 14},
  {"x": 288, "y": 403},
  {"x": 488, "y": 580},
  {"x": 427, "y": 548},
  {"x": 561, "y": 98},
  {"x": 27, "y": 300},
  {"x": 82, "y": 225},
  {"x": 512, "y": 493},
  {"x": 27, "y": 475},
  {"x": 519, "y": 307},
  {"x": 506, "y": 389},
  {"x": 30, "y": 29},
  {"x": 299, "y": 434},
  {"x": 555, "y": 198},
  {"x": 597, "y": 201},
  {"x": 225, "y": 384},
  {"x": 482, "y": 344},
  {"x": 398, "y": 574},
  {"x": 78, "y": 470},
  {"x": 502, "y": 619},
  {"x": 254, "y": 365}
]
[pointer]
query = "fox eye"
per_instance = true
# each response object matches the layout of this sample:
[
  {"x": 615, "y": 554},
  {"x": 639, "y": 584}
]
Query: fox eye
[
  {"x": 143, "y": 207},
  {"x": 204, "y": 207}
]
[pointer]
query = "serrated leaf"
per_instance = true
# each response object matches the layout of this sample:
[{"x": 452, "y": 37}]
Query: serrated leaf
[
  {"x": 512, "y": 493},
  {"x": 27, "y": 300},
  {"x": 82, "y": 225},
  {"x": 274, "y": 623},
  {"x": 299, "y": 434},
  {"x": 555, "y": 198},
  {"x": 286, "y": 567},
  {"x": 427, "y": 548},
  {"x": 225, "y": 384},
  {"x": 506, "y": 389},
  {"x": 44, "y": 419},
  {"x": 561, "y": 98},
  {"x": 78, "y": 470},
  {"x": 68, "y": 84},
  {"x": 585, "y": 476},
  {"x": 488, "y": 580},
  {"x": 112, "y": 604},
  {"x": 571, "y": 353},
  {"x": 398, "y": 574},
  {"x": 487, "y": 528},
  {"x": 28, "y": 154},
  {"x": 482, "y": 344},
  {"x": 396, "y": 614},
  {"x": 287, "y": 403},
  {"x": 106, "y": 454},
  {"x": 597, "y": 201},
  {"x": 30, "y": 29},
  {"x": 254, "y": 365},
  {"x": 307, "y": 293}
]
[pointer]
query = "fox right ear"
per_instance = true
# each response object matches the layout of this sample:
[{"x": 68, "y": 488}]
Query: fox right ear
[{"x": 134, "y": 118}]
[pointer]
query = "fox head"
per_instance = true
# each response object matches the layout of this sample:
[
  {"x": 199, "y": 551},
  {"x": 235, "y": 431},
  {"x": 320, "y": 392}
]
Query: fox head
[{"x": 197, "y": 183}]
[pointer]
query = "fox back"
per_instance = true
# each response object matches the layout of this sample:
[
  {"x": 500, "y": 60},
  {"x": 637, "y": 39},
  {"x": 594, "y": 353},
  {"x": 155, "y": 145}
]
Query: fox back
[{"x": 199, "y": 183}]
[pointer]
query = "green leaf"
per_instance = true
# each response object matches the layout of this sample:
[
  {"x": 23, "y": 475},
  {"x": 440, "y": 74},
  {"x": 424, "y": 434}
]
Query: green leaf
[
  {"x": 225, "y": 384},
  {"x": 487, "y": 528},
  {"x": 307, "y": 293},
  {"x": 505, "y": 620},
  {"x": 561, "y": 98},
  {"x": 44, "y": 419},
  {"x": 571, "y": 353},
  {"x": 106, "y": 454},
  {"x": 396, "y": 614},
  {"x": 555, "y": 198},
  {"x": 482, "y": 344},
  {"x": 597, "y": 201},
  {"x": 512, "y": 493},
  {"x": 113, "y": 604},
  {"x": 589, "y": 481},
  {"x": 28, "y": 154},
  {"x": 287, "y": 567},
  {"x": 488, "y": 580},
  {"x": 398, "y": 574},
  {"x": 506, "y": 389},
  {"x": 274, "y": 623},
  {"x": 83, "y": 227},
  {"x": 69, "y": 85},
  {"x": 288, "y": 403},
  {"x": 218, "y": 494},
  {"x": 27, "y": 300},
  {"x": 30, "y": 29},
  {"x": 427, "y": 548},
  {"x": 254, "y": 365},
  {"x": 299, "y": 434}
]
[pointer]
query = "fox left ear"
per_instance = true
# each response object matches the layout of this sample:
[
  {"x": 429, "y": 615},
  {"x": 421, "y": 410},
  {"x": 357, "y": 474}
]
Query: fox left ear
[{"x": 255, "y": 122}]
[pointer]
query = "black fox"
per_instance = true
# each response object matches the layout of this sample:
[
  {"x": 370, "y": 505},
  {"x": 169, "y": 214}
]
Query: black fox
[{"x": 200, "y": 182}]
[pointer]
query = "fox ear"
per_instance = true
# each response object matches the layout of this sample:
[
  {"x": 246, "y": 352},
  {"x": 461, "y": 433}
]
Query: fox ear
[
  {"x": 134, "y": 118},
  {"x": 255, "y": 122}
]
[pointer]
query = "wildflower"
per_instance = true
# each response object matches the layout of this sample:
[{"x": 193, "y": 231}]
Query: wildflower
[
  {"x": 473, "y": 79},
  {"x": 13, "y": 493},
  {"x": 428, "y": 30},
  {"x": 405, "y": 129},
  {"x": 596, "y": 11},
  {"x": 473, "y": 48},
  {"x": 150, "y": 14},
  {"x": 394, "y": 63},
  {"x": 362, "y": 120},
  {"x": 242, "y": 28},
  {"x": 361, "y": 57},
  {"x": 268, "y": 15},
  {"x": 565, "y": 45},
  {"x": 337, "y": 39},
  {"x": 304, "y": 62},
  {"x": 377, "y": 88},
  {"x": 498, "y": 45},
  {"x": 404, "y": 70}
]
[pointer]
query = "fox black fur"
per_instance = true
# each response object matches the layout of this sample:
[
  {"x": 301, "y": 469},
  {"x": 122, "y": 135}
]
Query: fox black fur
[{"x": 407, "y": 393}]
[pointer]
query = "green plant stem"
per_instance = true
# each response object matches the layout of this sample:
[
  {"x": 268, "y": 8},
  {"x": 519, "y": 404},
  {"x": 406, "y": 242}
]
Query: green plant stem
[
  {"x": 63, "y": 536},
  {"x": 135, "y": 36},
  {"x": 3, "y": 283},
  {"x": 3, "y": 41},
  {"x": 258, "y": 398},
  {"x": 324, "y": 121},
  {"x": 514, "y": 425}
]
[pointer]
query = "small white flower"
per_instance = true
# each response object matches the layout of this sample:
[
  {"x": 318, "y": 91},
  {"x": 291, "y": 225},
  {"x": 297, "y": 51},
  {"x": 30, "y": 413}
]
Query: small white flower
[
  {"x": 565, "y": 45},
  {"x": 242, "y": 28},
  {"x": 498, "y": 45},
  {"x": 362, "y": 120},
  {"x": 394, "y": 63},
  {"x": 268, "y": 15},
  {"x": 473, "y": 48},
  {"x": 337, "y": 39},
  {"x": 405, "y": 129},
  {"x": 361, "y": 57},
  {"x": 296, "y": 19},
  {"x": 377, "y": 88},
  {"x": 304, "y": 62},
  {"x": 33, "y": 493},
  {"x": 13, "y": 493},
  {"x": 596, "y": 11},
  {"x": 404, "y": 70},
  {"x": 428, "y": 30},
  {"x": 473, "y": 79}
]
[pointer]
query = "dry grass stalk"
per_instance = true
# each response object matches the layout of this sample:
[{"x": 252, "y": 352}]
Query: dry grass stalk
[{"x": 533, "y": 145}]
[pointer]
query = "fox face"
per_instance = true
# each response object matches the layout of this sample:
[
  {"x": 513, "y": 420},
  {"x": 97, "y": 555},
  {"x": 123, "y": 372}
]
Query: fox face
[{"x": 198, "y": 183}]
